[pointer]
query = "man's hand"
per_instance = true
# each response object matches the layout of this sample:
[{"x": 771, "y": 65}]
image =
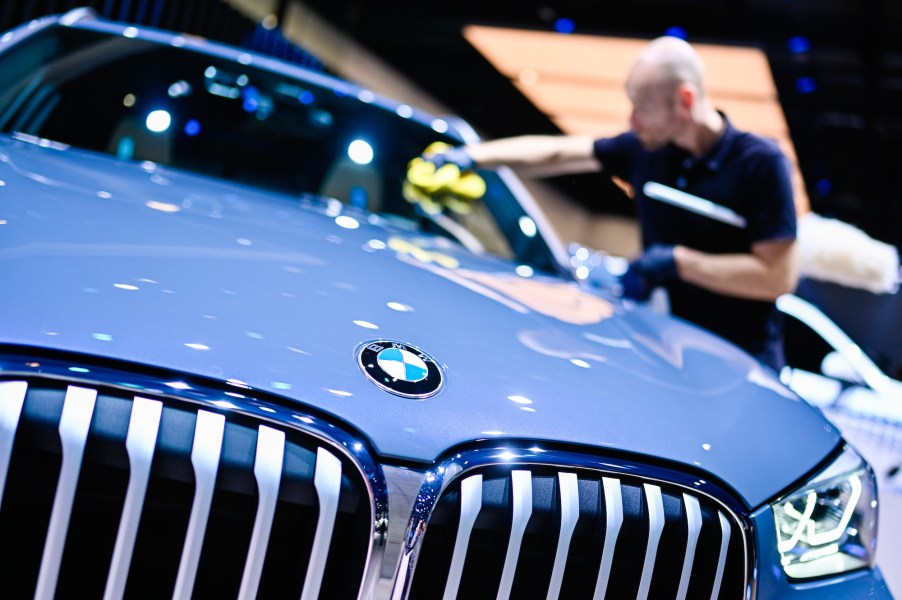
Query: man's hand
[
  {"x": 452, "y": 156},
  {"x": 654, "y": 267}
]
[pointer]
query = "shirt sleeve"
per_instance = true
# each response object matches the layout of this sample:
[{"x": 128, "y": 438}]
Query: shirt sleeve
[
  {"x": 770, "y": 210},
  {"x": 617, "y": 154}
]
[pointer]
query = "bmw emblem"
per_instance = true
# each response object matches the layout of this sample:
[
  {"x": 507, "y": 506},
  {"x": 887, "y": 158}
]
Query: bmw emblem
[{"x": 401, "y": 369}]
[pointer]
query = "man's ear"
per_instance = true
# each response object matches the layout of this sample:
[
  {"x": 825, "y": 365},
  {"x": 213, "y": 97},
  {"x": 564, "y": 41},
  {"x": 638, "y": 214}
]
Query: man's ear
[{"x": 686, "y": 95}]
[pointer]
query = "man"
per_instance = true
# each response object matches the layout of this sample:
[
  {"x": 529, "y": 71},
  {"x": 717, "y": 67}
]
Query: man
[{"x": 719, "y": 276}]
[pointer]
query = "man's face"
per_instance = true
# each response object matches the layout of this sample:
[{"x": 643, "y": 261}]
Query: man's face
[{"x": 654, "y": 117}]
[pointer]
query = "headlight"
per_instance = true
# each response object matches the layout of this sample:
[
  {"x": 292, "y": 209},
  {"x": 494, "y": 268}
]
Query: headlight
[{"x": 829, "y": 525}]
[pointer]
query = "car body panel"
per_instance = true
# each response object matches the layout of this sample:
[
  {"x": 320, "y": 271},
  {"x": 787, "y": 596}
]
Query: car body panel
[{"x": 532, "y": 358}]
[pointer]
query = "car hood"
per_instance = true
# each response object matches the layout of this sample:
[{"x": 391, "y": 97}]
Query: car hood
[{"x": 163, "y": 268}]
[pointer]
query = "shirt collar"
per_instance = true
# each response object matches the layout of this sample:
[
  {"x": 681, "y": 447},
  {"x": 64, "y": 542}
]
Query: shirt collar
[{"x": 716, "y": 156}]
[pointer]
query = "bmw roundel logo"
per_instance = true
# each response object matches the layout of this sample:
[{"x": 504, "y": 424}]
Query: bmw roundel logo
[{"x": 401, "y": 369}]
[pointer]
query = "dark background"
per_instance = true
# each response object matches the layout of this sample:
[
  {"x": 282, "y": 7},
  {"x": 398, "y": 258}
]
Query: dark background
[{"x": 837, "y": 65}]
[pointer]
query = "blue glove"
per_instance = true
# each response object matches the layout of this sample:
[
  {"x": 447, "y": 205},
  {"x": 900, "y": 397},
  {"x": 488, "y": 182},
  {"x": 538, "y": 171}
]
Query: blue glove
[
  {"x": 654, "y": 267},
  {"x": 453, "y": 156}
]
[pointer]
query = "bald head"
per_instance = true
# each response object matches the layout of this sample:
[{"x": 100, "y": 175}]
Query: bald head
[
  {"x": 666, "y": 89},
  {"x": 669, "y": 61}
]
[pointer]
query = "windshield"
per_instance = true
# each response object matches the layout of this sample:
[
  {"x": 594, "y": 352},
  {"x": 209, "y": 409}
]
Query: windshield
[{"x": 146, "y": 101}]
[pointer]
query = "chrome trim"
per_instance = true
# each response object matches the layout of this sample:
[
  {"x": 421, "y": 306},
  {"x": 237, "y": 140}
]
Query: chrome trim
[
  {"x": 397, "y": 592},
  {"x": 521, "y": 482},
  {"x": 470, "y": 504},
  {"x": 259, "y": 405},
  {"x": 77, "y": 14},
  {"x": 78, "y": 408},
  {"x": 462, "y": 128},
  {"x": 403, "y": 487},
  {"x": 862, "y": 364},
  {"x": 251, "y": 403},
  {"x": 694, "y": 528},
  {"x": 208, "y": 434},
  {"x": 569, "y": 493},
  {"x": 12, "y": 398},
  {"x": 724, "y": 547},
  {"x": 534, "y": 211},
  {"x": 613, "y": 502},
  {"x": 460, "y": 464},
  {"x": 524, "y": 197},
  {"x": 327, "y": 480},
  {"x": 268, "y": 473},
  {"x": 140, "y": 443},
  {"x": 655, "y": 529}
]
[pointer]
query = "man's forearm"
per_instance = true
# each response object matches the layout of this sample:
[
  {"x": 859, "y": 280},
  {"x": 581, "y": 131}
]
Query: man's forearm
[
  {"x": 533, "y": 151},
  {"x": 742, "y": 275}
]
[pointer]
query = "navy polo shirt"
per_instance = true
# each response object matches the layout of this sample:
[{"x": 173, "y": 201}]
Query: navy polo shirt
[{"x": 743, "y": 172}]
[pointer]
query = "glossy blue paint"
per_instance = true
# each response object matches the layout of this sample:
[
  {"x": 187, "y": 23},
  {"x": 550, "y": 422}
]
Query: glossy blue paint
[
  {"x": 179, "y": 271},
  {"x": 260, "y": 303}
]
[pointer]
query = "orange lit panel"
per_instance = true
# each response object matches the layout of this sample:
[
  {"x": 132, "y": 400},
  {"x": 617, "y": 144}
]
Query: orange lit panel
[{"x": 578, "y": 81}]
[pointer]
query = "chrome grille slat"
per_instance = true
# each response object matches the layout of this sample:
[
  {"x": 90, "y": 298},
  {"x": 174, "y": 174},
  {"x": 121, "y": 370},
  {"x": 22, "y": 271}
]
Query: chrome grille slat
[
  {"x": 722, "y": 560},
  {"x": 165, "y": 493},
  {"x": 529, "y": 515},
  {"x": 205, "y": 454},
  {"x": 613, "y": 521},
  {"x": 470, "y": 504},
  {"x": 78, "y": 408},
  {"x": 655, "y": 529},
  {"x": 398, "y": 590},
  {"x": 694, "y": 528},
  {"x": 327, "y": 480},
  {"x": 522, "y": 499},
  {"x": 557, "y": 525},
  {"x": 12, "y": 398},
  {"x": 569, "y": 493},
  {"x": 268, "y": 472},
  {"x": 140, "y": 443}
]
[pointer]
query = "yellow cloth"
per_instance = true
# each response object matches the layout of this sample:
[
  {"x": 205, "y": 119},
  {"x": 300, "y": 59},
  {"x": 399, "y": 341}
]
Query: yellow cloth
[{"x": 437, "y": 187}]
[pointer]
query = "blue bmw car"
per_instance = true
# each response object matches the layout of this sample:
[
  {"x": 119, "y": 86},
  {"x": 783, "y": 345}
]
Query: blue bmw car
[{"x": 240, "y": 357}]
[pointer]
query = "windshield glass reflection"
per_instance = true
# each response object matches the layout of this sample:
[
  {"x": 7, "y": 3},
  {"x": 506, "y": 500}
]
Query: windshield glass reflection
[{"x": 145, "y": 101}]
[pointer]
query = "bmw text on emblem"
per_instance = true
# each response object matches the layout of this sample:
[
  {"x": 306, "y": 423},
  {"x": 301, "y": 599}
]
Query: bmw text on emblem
[{"x": 400, "y": 369}]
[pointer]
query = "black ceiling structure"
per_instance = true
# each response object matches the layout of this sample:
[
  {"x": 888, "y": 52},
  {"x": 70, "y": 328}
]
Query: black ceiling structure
[
  {"x": 837, "y": 65},
  {"x": 212, "y": 19}
]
